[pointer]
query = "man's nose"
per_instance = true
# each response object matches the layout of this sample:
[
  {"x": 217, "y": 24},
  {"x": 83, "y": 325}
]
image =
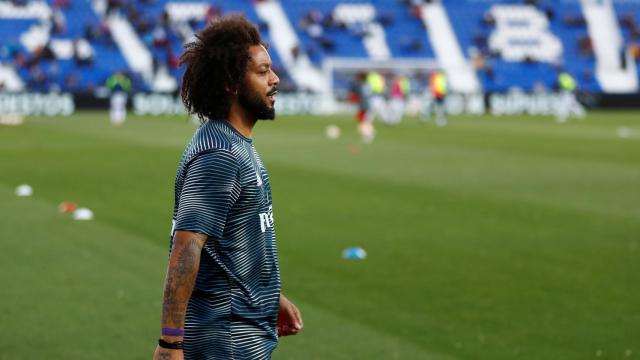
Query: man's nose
[{"x": 275, "y": 80}]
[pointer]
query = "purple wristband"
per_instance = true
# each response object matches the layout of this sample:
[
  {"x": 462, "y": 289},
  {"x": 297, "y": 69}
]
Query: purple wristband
[{"x": 172, "y": 332}]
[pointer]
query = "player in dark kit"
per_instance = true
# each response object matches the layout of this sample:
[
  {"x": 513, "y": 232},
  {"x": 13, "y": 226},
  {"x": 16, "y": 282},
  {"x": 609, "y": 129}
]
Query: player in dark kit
[{"x": 222, "y": 295}]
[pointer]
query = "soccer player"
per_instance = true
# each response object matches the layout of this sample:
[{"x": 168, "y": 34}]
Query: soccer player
[
  {"x": 222, "y": 295},
  {"x": 568, "y": 106},
  {"x": 400, "y": 88},
  {"x": 377, "y": 102},
  {"x": 364, "y": 117},
  {"x": 438, "y": 89},
  {"x": 119, "y": 85}
]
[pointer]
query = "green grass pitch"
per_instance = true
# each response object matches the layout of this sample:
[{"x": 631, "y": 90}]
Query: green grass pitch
[{"x": 492, "y": 238}]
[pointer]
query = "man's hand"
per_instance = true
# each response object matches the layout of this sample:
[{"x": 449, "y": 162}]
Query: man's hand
[
  {"x": 289, "y": 319},
  {"x": 167, "y": 354}
]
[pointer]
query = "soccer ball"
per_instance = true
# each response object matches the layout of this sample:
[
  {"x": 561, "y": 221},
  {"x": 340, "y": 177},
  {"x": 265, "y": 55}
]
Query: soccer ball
[
  {"x": 367, "y": 132},
  {"x": 332, "y": 132}
]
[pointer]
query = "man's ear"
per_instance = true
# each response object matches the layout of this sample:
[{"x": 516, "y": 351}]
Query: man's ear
[{"x": 231, "y": 90}]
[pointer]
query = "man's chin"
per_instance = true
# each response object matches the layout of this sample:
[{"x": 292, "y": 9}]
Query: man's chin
[
  {"x": 267, "y": 114},
  {"x": 264, "y": 118}
]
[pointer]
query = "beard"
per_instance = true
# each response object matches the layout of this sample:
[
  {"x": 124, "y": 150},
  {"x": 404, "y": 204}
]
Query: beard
[{"x": 256, "y": 105}]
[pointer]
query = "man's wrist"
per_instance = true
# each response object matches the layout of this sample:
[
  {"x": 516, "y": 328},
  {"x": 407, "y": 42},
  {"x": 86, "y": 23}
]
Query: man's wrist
[
  {"x": 170, "y": 345},
  {"x": 169, "y": 338},
  {"x": 169, "y": 331},
  {"x": 171, "y": 334}
]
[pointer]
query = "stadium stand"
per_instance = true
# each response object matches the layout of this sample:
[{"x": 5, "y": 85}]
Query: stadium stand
[
  {"x": 74, "y": 45},
  {"x": 629, "y": 20},
  {"x": 336, "y": 29}
]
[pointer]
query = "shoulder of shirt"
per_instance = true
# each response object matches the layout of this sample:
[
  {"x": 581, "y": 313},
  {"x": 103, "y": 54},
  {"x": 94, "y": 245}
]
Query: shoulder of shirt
[{"x": 211, "y": 136}]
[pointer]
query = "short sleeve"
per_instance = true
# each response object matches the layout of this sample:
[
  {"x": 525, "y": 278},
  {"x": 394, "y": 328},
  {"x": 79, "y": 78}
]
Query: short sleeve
[{"x": 210, "y": 189}]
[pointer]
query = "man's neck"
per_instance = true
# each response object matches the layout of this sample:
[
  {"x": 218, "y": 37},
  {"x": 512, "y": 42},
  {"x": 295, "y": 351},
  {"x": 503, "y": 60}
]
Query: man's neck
[{"x": 241, "y": 120}]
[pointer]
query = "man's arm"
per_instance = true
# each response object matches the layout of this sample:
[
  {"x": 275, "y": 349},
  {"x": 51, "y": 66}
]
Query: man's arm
[{"x": 180, "y": 279}]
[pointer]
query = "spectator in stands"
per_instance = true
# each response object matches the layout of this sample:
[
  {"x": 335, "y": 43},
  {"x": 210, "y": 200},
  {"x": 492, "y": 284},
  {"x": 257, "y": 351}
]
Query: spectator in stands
[
  {"x": 416, "y": 11},
  {"x": 263, "y": 26},
  {"x": 90, "y": 31},
  {"x": 213, "y": 12},
  {"x": 164, "y": 19},
  {"x": 326, "y": 43},
  {"x": 295, "y": 52},
  {"x": 480, "y": 41},
  {"x": 329, "y": 21},
  {"x": 20, "y": 60},
  {"x": 549, "y": 12},
  {"x": 287, "y": 85},
  {"x": 72, "y": 82},
  {"x": 53, "y": 77},
  {"x": 100, "y": 33},
  {"x": 585, "y": 46},
  {"x": 19, "y": 2},
  {"x": 9, "y": 51},
  {"x": 37, "y": 80},
  {"x": 314, "y": 16},
  {"x": 481, "y": 63},
  {"x": 61, "y": 4},
  {"x": 159, "y": 36},
  {"x": 46, "y": 53},
  {"x": 144, "y": 25},
  {"x": 385, "y": 18},
  {"x": 133, "y": 15},
  {"x": 193, "y": 24},
  {"x": 411, "y": 44},
  {"x": 587, "y": 76},
  {"x": 173, "y": 60},
  {"x": 574, "y": 20},
  {"x": 58, "y": 20},
  {"x": 41, "y": 53},
  {"x": 530, "y": 60},
  {"x": 488, "y": 20},
  {"x": 628, "y": 21},
  {"x": 634, "y": 50},
  {"x": 113, "y": 6}
]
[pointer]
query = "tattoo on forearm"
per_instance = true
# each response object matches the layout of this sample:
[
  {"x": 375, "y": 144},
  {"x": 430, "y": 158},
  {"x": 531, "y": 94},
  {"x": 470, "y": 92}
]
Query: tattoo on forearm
[
  {"x": 164, "y": 355},
  {"x": 181, "y": 276}
]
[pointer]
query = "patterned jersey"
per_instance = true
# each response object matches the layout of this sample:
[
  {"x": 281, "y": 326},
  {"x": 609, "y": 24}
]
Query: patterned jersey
[{"x": 222, "y": 190}]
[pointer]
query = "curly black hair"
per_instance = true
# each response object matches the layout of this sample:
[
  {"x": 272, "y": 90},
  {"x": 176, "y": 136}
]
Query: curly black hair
[{"x": 215, "y": 62}]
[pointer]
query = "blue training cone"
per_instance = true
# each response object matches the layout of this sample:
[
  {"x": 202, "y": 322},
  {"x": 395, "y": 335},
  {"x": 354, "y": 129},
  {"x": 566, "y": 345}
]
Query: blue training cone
[{"x": 354, "y": 253}]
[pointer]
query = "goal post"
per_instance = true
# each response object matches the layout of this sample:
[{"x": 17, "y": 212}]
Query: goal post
[{"x": 341, "y": 72}]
